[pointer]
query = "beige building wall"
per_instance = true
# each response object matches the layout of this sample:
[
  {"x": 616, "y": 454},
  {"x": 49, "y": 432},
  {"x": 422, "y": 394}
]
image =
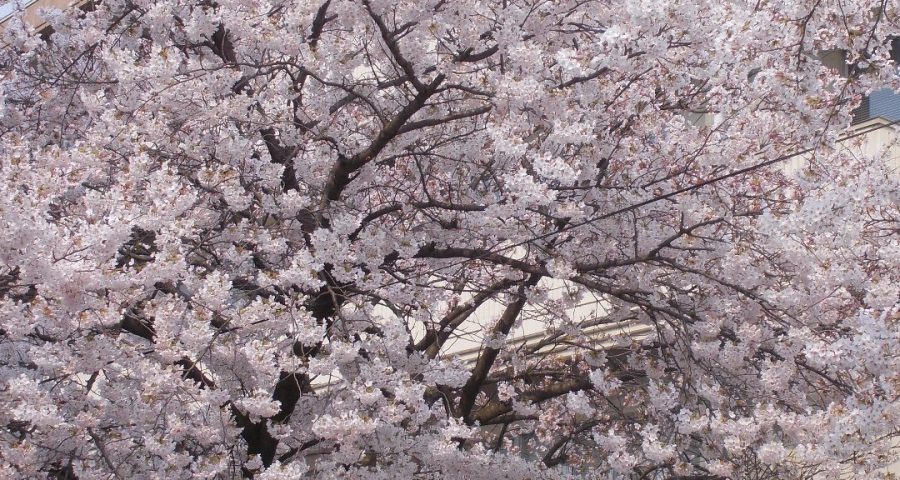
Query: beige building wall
[
  {"x": 876, "y": 138},
  {"x": 28, "y": 9}
]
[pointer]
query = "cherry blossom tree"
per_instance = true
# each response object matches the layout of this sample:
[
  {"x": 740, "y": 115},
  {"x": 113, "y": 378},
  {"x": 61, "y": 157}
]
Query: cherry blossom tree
[{"x": 241, "y": 239}]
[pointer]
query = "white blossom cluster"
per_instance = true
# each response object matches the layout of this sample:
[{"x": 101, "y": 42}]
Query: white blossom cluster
[{"x": 283, "y": 239}]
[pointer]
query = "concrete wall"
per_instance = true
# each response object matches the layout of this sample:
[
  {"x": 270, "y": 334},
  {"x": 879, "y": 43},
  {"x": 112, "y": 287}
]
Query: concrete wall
[
  {"x": 877, "y": 137},
  {"x": 28, "y": 9}
]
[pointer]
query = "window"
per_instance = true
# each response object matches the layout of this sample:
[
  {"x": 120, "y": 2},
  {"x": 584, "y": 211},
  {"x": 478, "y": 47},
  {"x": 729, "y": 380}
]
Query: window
[
  {"x": 884, "y": 104},
  {"x": 8, "y": 8}
]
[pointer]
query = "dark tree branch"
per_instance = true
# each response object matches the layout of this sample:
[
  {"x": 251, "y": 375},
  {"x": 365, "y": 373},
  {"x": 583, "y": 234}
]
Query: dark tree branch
[{"x": 486, "y": 359}]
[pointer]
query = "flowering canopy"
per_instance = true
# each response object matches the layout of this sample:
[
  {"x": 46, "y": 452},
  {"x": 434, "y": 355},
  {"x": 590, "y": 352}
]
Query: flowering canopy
[{"x": 240, "y": 238}]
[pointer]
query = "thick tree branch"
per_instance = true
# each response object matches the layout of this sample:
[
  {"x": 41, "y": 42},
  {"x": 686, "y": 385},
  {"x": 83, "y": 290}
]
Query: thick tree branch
[{"x": 488, "y": 354}]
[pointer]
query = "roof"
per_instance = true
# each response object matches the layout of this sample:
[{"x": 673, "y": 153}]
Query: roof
[{"x": 879, "y": 104}]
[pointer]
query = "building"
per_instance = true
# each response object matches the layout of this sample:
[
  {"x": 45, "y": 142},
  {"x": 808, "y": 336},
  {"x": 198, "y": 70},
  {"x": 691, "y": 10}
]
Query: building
[{"x": 29, "y": 9}]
